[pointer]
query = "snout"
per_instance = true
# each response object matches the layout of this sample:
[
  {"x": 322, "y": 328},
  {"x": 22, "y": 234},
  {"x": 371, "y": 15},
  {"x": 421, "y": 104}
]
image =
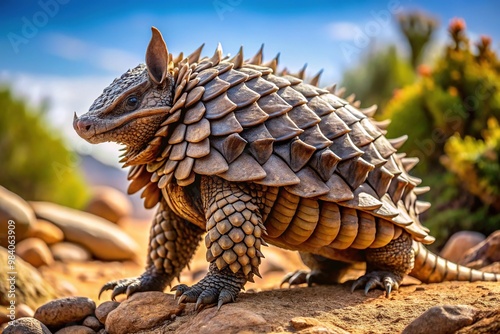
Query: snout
[{"x": 84, "y": 126}]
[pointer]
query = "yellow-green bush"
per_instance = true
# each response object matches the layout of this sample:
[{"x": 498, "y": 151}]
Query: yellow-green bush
[
  {"x": 445, "y": 112},
  {"x": 35, "y": 163},
  {"x": 476, "y": 163}
]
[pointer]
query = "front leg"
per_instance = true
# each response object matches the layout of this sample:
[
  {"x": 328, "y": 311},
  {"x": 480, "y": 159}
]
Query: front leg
[
  {"x": 233, "y": 240},
  {"x": 172, "y": 243}
]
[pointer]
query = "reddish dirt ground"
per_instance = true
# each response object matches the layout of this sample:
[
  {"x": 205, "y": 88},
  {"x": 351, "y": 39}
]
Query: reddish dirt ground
[{"x": 333, "y": 306}]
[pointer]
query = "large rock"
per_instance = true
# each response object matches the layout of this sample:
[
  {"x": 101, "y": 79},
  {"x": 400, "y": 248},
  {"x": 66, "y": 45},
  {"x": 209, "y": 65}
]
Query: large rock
[
  {"x": 62, "y": 311},
  {"x": 143, "y": 311},
  {"x": 26, "y": 326},
  {"x": 109, "y": 203},
  {"x": 30, "y": 288},
  {"x": 35, "y": 251},
  {"x": 459, "y": 243},
  {"x": 104, "y": 239},
  {"x": 232, "y": 319},
  {"x": 446, "y": 319},
  {"x": 14, "y": 208},
  {"x": 484, "y": 253}
]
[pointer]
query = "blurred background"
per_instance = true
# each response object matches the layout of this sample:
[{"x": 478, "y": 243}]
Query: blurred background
[{"x": 430, "y": 66}]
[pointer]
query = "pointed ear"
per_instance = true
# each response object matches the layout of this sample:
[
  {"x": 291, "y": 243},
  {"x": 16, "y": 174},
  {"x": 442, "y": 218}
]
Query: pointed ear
[{"x": 157, "y": 57}]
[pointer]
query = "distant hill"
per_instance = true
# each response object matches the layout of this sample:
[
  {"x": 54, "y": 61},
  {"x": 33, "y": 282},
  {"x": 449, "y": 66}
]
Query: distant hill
[{"x": 97, "y": 173}]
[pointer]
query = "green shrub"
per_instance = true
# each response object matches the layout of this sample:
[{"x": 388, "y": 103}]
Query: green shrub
[
  {"x": 445, "y": 114},
  {"x": 35, "y": 163}
]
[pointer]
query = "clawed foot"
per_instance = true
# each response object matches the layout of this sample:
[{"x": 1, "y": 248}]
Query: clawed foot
[
  {"x": 311, "y": 277},
  {"x": 218, "y": 287},
  {"x": 296, "y": 278},
  {"x": 132, "y": 285},
  {"x": 383, "y": 279}
]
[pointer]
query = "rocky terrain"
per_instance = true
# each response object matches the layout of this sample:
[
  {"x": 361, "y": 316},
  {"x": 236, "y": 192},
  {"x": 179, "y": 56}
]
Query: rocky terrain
[{"x": 64, "y": 256}]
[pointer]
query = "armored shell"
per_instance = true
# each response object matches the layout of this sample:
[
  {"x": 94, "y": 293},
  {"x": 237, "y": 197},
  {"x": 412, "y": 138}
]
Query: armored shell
[{"x": 241, "y": 121}]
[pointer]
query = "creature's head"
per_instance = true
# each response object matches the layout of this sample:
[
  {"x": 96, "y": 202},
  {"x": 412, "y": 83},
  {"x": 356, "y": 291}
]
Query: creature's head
[{"x": 131, "y": 109}]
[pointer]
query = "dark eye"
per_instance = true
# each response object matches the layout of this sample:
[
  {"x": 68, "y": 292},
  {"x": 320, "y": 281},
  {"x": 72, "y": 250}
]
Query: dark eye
[{"x": 132, "y": 102}]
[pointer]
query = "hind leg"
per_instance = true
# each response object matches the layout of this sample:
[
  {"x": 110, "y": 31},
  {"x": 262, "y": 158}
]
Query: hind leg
[
  {"x": 386, "y": 266},
  {"x": 323, "y": 271}
]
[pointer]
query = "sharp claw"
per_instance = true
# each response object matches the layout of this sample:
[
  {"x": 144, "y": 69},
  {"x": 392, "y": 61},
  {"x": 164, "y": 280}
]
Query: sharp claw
[
  {"x": 130, "y": 290},
  {"x": 286, "y": 279},
  {"x": 309, "y": 280},
  {"x": 367, "y": 289},
  {"x": 356, "y": 283},
  {"x": 198, "y": 304},
  {"x": 104, "y": 288},
  {"x": 219, "y": 304},
  {"x": 371, "y": 283},
  {"x": 174, "y": 288},
  {"x": 388, "y": 288},
  {"x": 181, "y": 299}
]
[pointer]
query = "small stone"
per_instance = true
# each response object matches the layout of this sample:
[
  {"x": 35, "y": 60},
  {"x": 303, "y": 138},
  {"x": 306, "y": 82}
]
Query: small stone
[
  {"x": 46, "y": 231},
  {"x": 232, "y": 318},
  {"x": 459, "y": 243},
  {"x": 35, "y": 252},
  {"x": 76, "y": 329},
  {"x": 70, "y": 252},
  {"x": 26, "y": 326},
  {"x": 303, "y": 322},
  {"x": 109, "y": 203},
  {"x": 93, "y": 323},
  {"x": 323, "y": 330},
  {"x": 65, "y": 310},
  {"x": 445, "y": 319},
  {"x": 23, "y": 311},
  {"x": 142, "y": 311},
  {"x": 102, "y": 311}
]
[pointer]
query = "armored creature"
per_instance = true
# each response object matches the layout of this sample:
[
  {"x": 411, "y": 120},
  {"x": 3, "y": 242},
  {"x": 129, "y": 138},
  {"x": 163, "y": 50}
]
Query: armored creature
[{"x": 237, "y": 154}]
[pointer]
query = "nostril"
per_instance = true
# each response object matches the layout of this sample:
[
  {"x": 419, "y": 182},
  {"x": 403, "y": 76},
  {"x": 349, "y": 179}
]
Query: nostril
[{"x": 83, "y": 125}]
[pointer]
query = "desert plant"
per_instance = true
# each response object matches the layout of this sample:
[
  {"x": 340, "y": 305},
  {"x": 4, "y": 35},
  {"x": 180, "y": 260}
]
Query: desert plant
[
  {"x": 36, "y": 164},
  {"x": 445, "y": 112}
]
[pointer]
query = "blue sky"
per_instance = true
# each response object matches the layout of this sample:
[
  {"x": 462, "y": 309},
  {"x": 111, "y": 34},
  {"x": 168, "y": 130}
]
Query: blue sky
[{"x": 69, "y": 50}]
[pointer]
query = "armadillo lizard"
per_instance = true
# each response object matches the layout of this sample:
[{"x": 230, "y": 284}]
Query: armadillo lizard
[{"x": 228, "y": 147}]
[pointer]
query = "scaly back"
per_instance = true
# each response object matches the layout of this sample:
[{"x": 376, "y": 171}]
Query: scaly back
[{"x": 242, "y": 122}]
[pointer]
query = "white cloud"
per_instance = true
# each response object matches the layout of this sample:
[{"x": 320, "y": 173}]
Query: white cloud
[
  {"x": 65, "y": 96},
  {"x": 342, "y": 31},
  {"x": 109, "y": 59}
]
